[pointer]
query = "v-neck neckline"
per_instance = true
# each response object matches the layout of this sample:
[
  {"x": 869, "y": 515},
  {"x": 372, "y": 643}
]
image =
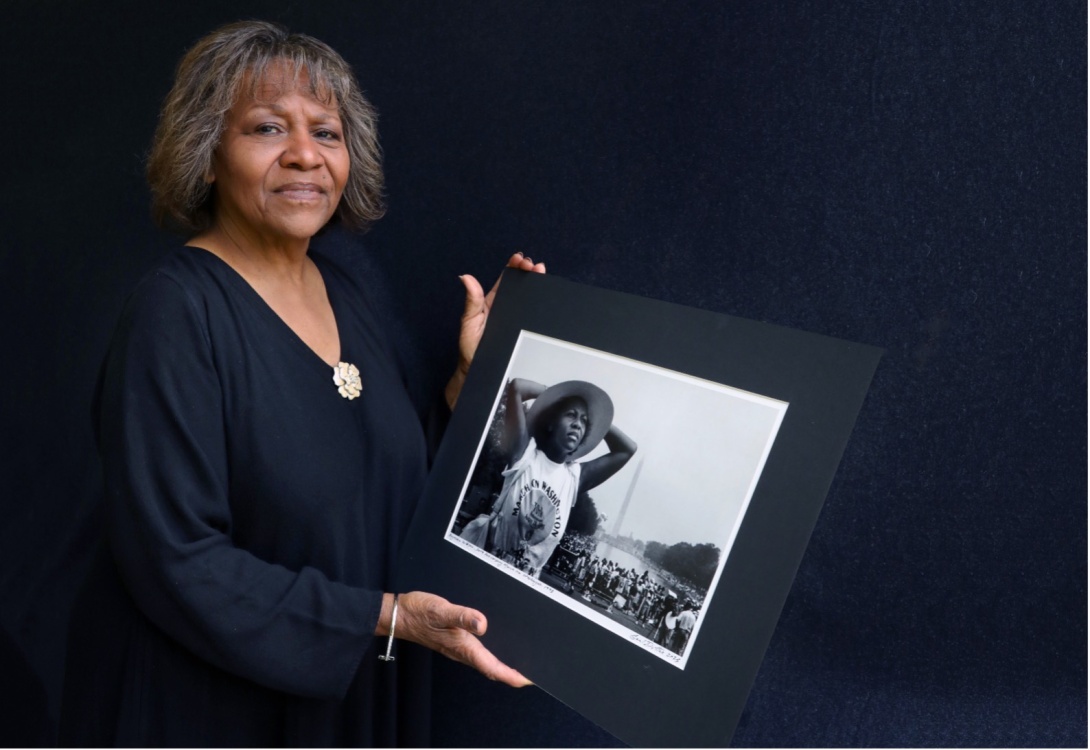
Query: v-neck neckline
[{"x": 266, "y": 309}]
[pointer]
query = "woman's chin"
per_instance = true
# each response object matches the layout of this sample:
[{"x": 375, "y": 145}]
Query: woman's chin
[{"x": 299, "y": 225}]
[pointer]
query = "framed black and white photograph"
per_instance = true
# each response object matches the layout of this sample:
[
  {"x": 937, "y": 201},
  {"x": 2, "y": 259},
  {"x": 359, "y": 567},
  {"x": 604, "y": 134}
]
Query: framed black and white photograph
[{"x": 626, "y": 489}]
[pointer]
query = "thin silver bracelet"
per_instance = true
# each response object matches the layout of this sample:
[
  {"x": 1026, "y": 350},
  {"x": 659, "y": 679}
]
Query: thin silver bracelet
[{"x": 390, "y": 642}]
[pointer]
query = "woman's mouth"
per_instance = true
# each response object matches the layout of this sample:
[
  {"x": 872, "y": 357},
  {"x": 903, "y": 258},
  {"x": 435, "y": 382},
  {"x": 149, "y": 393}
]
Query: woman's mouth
[{"x": 300, "y": 190}]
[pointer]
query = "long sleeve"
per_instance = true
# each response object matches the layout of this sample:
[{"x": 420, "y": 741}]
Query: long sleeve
[{"x": 165, "y": 434}]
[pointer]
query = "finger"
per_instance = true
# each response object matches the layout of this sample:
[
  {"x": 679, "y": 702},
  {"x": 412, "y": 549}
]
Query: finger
[
  {"x": 485, "y": 662},
  {"x": 444, "y": 614},
  {"x": 520, "y": 261},
  {"x": 473, "y": 621},
  {"x": 474, "y": 294},
  {"x": 508, "y": 676},
  {"x": 527, "y": 264}
]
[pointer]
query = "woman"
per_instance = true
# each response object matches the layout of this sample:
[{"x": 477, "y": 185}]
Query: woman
[
  {"x": 543, "y": 479},
  {"x": 261, "y": 454}
]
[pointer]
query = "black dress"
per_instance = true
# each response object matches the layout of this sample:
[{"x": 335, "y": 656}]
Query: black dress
[{"x": 252, "y": 520}]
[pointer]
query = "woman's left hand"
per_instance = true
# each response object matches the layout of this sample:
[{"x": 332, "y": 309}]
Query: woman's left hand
[
  {"x": 474, "y": 317},
  {"x": 454, "y": 632}
]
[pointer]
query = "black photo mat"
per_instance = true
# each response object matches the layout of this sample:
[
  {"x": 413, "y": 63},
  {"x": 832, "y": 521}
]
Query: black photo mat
[{"x": 686, "y": 383}]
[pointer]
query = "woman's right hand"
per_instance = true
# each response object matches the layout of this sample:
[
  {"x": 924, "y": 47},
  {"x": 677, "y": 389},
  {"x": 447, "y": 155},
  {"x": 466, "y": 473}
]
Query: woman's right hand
[
  {"x": 474, "y": 317},
  {"x": 450, "y": 629}
]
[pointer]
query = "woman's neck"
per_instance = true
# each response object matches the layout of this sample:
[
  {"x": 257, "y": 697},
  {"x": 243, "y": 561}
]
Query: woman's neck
[
  {"x": 258, "y": 261},
  {"x": 553, "y": 453}
]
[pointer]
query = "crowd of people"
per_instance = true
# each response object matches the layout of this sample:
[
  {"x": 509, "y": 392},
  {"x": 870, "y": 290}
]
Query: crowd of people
[
  {"x": 659, "y": 612},
  {"x": 675, "y": 626}
]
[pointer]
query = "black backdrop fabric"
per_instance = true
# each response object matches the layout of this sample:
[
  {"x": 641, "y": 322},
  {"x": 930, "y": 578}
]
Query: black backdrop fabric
[{"x": 910, "y": 175}]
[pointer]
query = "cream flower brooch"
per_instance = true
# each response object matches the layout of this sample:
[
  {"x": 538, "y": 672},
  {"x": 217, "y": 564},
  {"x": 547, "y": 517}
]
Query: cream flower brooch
[{"x": 347, "y": 378}]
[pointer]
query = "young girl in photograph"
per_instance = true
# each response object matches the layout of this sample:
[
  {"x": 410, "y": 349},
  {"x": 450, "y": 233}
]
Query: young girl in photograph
[{"x": 543, "y": 478}]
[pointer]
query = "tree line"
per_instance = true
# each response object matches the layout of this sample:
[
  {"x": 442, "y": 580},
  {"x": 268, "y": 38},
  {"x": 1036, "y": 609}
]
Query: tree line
[{"x": 695, "y": 563}]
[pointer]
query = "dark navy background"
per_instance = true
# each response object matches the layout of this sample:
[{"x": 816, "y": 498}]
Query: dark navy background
[{"x": 910, "y": 175}]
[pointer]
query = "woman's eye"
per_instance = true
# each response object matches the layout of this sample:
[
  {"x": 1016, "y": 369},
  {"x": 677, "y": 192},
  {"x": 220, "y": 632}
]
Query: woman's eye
[
  {"x": 266, "y": 129},
  {"x": 327, "y": 135}
]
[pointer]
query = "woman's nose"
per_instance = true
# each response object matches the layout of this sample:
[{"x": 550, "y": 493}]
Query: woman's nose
[{"x": 301, "y": 152}]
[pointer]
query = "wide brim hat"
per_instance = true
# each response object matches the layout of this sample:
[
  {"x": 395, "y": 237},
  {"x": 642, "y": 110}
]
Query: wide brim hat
[{"x": 599, "y": 408}]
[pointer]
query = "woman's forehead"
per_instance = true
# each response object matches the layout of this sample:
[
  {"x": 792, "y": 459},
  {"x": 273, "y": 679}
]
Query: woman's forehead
[
  {"x": 279, "y": 78},
  {"x": 572, "y": 402}
]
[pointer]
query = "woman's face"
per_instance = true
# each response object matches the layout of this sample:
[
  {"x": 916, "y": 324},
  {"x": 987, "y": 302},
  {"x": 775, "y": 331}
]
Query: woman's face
[
  {"x": 569, "y": 426},
  {"x": 282, "y": 163}
]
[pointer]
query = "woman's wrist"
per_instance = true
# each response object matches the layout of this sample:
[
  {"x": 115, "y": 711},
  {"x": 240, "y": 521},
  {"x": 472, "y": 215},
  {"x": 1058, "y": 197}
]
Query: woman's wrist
[
  {"x": 390, "y": 602},
  {"x": 385, "y": 615},
  {"x": 454, "y": 387}
]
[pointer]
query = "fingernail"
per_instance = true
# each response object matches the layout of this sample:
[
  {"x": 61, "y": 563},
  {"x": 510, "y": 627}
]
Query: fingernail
[{"x": 476, "y": 625}]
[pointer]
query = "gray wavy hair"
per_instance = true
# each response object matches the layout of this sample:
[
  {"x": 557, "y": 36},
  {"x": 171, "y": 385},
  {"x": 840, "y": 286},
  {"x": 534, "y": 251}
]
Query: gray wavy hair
[{"x": 207, "y": 83}]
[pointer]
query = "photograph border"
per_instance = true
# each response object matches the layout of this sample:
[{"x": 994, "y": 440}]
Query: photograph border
[
  {"x": 631, "y": 693},
  {"x": 775, "y": 409}
]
